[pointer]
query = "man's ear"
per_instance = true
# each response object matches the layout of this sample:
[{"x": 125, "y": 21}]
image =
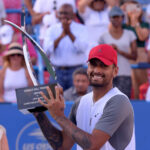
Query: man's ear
[{"x": 115, "y": 71}]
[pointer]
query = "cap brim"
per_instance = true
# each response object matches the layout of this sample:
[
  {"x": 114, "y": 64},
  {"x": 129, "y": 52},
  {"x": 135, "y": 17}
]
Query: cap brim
[{"x": 105, "y": 61}]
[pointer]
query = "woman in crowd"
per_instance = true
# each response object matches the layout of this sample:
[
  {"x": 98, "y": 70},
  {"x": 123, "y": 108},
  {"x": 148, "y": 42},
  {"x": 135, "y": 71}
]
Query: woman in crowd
[
  {"x": 135, "y": 23},
  {"x": 13, "y": 74}
]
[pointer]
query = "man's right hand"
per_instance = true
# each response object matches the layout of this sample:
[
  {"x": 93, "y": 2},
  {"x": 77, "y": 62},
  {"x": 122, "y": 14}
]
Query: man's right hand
[{"x": 66, "y": 25}]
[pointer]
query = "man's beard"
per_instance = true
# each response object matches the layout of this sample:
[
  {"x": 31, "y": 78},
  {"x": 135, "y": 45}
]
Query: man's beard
[{"x": 97, "y": 84}]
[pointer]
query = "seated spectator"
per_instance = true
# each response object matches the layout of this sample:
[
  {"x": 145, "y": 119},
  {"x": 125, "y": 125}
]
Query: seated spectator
[
  {"x": 14, "y": 73},
  {"x": 3, "y": 139},
  {"x": 122, "y": 41},
  {"x": 80, "y": 85},
  {"x": 66, "y": 43},
  {"x": 135, "y": 23},
  {"x": 95, "y": 16}
]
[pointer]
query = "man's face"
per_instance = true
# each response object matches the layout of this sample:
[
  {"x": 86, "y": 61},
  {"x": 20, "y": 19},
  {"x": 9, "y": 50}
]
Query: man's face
[
  {"x": 98, "y": 5},
  {"x": 99, "y": 74},
  {"x": 81, "y": 83},
  {"x": 65, "y": 13},
  {"x": 116, "y": 21}
]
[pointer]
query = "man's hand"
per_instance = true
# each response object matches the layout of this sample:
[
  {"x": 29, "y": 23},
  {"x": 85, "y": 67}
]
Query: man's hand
[
  {"x": 56, "y": 105},
  {"x": 66, "y": 25},
  {"x": 115, "y": 47}
]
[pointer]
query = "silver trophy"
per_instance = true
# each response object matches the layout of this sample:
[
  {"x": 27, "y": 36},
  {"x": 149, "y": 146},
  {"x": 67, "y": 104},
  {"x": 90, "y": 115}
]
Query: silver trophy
[{"x": 27, "y": 98}]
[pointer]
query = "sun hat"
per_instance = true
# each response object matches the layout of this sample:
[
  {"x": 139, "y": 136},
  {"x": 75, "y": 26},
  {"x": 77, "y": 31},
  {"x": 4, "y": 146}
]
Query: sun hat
[
  {"x": 14, "y": 48},
  {"x": 105, "y": 53}
]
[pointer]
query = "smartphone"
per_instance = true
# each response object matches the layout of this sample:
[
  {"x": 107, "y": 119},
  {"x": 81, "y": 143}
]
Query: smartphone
[{"x": 133, "y": 7}]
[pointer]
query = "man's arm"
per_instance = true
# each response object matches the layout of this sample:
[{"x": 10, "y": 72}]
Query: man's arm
[
  {"x": 132, "y": 55},
  {"x": 28, "y": 4},
  {"x": 87, "y": 141},
  {"x": 53, "y": 135}
]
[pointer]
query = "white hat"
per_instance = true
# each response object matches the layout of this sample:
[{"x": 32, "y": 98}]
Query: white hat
[{"x": 6, "y": 34}]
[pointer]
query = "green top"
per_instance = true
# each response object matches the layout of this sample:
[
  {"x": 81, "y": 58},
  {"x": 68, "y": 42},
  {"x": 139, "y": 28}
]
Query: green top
[{"x": 143, "y": 25}]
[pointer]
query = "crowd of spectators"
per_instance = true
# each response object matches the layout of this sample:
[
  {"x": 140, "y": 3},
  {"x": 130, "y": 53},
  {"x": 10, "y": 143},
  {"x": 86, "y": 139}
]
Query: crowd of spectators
[{"x": 68, "y": 29}]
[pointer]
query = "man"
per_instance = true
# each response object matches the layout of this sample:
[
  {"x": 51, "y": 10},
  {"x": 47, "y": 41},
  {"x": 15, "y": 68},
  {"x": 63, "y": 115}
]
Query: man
[
  {"x": 124, "y": 42},
  {"x": 66, "y": 44},
  {"x": 104, "y": 117},
  {"x": 80, "y": 85},
  {"x": 38, "y": 12}
]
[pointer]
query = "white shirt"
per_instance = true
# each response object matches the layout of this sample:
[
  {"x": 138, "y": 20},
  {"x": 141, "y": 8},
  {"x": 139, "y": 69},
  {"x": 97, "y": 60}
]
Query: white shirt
[
  {"x": 124, "y": 45},
  {"x": 87, "y": 110},
  {"x": 12, "y": 81},
  {"x": 48, "y": 7},
  {"x": 67, "y": 53}
]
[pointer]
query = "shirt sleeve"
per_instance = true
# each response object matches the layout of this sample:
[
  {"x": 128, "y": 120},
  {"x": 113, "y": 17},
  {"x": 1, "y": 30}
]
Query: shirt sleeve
[
  {"x": 115, "y": 112},
  {"x": 132, "y": 36},
  {"x": 72, "y": 115}
]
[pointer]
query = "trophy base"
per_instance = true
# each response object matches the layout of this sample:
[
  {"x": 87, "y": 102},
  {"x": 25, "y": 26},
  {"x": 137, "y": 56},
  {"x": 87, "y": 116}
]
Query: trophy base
[{"x": 27, "y": 98}]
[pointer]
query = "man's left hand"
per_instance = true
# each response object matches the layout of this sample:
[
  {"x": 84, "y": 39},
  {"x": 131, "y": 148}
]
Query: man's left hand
[{"x": 56, "y": 105}]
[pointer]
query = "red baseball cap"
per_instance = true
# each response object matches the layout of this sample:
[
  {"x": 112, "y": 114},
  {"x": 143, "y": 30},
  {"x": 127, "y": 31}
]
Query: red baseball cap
[{"x": 105, "y": 53}]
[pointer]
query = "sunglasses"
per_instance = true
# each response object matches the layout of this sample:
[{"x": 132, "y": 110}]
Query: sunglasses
[{"x": 15, "y": 55}]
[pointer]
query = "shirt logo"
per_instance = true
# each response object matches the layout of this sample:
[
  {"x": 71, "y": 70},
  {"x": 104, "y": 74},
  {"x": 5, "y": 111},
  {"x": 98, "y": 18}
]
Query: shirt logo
[{"x": 99, "y": 50}]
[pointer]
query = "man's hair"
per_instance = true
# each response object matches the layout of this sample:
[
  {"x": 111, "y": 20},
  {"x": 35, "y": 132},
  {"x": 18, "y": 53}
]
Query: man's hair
[{"x": 80, "y": 70}]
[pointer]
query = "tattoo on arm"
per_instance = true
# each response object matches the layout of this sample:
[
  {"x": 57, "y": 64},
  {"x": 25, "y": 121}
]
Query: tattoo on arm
[
  {"x": 53, "y": 135},
  {"x": 79, "y": 136}
]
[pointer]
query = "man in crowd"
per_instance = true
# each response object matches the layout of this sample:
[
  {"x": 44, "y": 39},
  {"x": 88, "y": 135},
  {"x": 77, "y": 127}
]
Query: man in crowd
[
  {"x": 66, "y": 44},
  {"x": 103, "y": 118},
  {"x": 80, "y": 85}
]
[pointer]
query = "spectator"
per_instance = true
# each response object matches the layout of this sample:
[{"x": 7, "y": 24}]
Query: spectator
[
  {"x": 3, "y": 139},
  {"x": 135, "y": 23},
  {"x": 95, "y": 16},
  {"x": 80, "y": 85},
  {"x": 13, "y": 68},
  {"x": 50, "y": 7},
  {"x": 2, "y": 12},
  {"x": 122, "y": 41},
  {"x": 66, "y": 46}
]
